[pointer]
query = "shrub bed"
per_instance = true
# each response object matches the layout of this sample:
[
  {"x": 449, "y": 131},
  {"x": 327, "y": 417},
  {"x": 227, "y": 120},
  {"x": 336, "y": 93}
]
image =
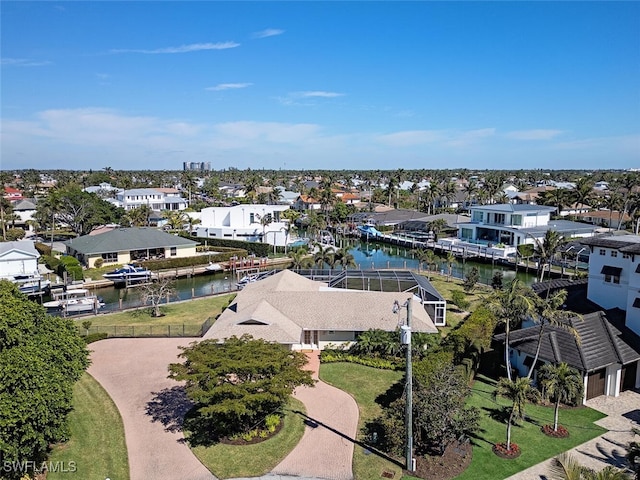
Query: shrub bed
[
  {"x": 561, "y": 432},
  {"x": 331, "y": 356},
  {"x": 501, "y": 450}
]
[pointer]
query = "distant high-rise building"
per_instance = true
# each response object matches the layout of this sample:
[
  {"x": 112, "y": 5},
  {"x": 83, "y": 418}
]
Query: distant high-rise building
[{"x": 197, "y": 166}]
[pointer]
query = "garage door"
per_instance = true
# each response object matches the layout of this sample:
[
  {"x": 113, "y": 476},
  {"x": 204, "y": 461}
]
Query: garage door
[
  {"x": 628, "y": 374},
  {"x": 595, "y": 384}
]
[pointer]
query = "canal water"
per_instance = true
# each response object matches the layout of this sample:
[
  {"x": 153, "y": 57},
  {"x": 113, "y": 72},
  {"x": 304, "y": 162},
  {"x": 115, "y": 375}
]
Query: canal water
[{"x": 367, "y": 255}]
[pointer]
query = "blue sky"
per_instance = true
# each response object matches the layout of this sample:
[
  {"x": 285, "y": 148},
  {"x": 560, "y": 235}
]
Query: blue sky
[{"x": 306, "y": 85}]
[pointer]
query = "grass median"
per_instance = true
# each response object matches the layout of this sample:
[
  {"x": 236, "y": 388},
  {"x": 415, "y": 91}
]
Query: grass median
[
  {"x": 230, "y": 461},
  {"x": 96, "y": 448}
]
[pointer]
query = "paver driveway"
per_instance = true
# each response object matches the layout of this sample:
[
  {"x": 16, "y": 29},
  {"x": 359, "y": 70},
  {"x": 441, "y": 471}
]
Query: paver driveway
[
  {"x": 326, "y": 448},
  {"x": 133, "y": 371}
]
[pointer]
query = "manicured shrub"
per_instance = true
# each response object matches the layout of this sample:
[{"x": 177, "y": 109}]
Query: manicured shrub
[
  {"x": 42, "y": 248},
  {"x": 72, "y": 266},
  {"x": 98, "y": 263},
  {"x": 94, "y": 337},
  {"x": 459, "y": 299}
]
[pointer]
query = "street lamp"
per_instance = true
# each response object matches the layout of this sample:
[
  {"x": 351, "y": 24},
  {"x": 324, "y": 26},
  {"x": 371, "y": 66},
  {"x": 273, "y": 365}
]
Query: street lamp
[{"x": 405, "y": 339}]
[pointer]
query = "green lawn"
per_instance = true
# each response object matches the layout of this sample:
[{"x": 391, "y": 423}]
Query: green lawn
[
  {"x": 96, "y": 447},
  {"x": 189, "y": 312},
  {"x": 535, "y": 446},
  {"x": 364, "y": 384},
  {"x": 229, "y": 461},
  {"x": 445, "y": 287}
]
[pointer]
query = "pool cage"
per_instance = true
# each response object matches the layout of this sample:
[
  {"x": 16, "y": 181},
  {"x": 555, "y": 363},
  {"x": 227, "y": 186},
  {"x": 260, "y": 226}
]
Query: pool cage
[{"x": 385, "y": 281}]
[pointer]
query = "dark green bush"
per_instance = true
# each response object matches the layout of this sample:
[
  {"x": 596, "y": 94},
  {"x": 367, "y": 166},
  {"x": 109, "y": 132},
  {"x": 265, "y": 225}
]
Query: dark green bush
[
  {"x": 94, "y": 337},
  {"x": 459, "y": 299},
  {"x": 332, "y": 356},
  {"x": 51, "y": 262},
  {"x": 253, "y": 248},
  {"x": 72, "y": 266},
  {"x": 168, "y": 263},
  {"x": 42, "y": 248}
]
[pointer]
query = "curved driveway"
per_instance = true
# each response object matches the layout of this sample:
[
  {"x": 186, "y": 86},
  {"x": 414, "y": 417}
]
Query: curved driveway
[
  {"x": 326, "y": 448},
  {"x": 134, "y": 373}
]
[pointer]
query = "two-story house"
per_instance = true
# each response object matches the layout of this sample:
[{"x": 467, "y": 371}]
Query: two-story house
[
  {"x": 245, "y": 222},
  {"x": 502, "y": 227},
  {"x": 155, "y": 198}
]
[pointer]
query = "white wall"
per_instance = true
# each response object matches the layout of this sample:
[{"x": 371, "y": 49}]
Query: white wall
[{"x": 608, "y": 295}]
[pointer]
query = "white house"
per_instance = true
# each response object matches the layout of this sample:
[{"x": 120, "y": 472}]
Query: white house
[
  {"x": 155, "y": 198},
  {"x": 19, "y": 258},
  {"x": 614, "y": 275},
  {"x": 244, "y": 222},
  {"x": 502, "y": 227}
]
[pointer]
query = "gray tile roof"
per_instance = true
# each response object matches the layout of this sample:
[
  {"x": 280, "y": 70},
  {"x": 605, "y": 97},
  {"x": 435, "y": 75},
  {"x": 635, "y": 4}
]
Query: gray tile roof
[
  {"x": 600, "y": 343},
  {"x": 623, "y": 243},
  {"x": 280, "y": 307},
  {"x": 125, "y": 239},
  {"x": 26, "y": 246}
]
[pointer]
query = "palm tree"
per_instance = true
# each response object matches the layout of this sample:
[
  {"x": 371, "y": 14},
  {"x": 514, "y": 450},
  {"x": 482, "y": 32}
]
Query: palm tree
[
  {"x": 550, "y": 312},
  {"x": 343, "y": 258},
  {"x": 510, "y": 306},
  {"x": 265, "y": 221},
  {"x": 583, "y": 193},
  {"x": 519, "y": 392},
  {"x": 547, "y": 249},
  {"x": 324, "y": 255},
  {"x": 300, "y": 259},
  {"x": 450, "y": 260},
  {"x": 562, "y": 383},
  {"x": 565, "y": 467},
  {"x": 176, "y": 219}
]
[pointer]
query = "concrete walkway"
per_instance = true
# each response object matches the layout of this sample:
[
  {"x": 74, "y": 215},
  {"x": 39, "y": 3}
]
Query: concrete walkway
[
  {"x": 623, "y": 413},
  {"x": 326, "y": 448},
  {"x": 134, "y": 373}
]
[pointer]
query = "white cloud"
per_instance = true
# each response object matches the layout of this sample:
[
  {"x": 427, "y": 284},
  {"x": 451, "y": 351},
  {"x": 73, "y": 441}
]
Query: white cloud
[
  {"x": 536, "y": 134},
  {"x": 229, "y": 86},
  {"x": 411, "y": 137},
  {"x": 193, "y": 47},
  {"x": 318, "y": 93},
  {"x": 268, "y": 32},
  {"x": 23, "y": 62},
  {"x": 462, "y": 139}
]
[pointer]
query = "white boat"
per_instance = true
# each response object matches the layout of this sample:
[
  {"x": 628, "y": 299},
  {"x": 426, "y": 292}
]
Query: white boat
[
  {"x": 247, "y": 279},
  {"x": 31, "y": 284},
  {"x": 128, "y": 273},
  {"x": 74, "y": 300},
  {"x": 214, "y": 267}
]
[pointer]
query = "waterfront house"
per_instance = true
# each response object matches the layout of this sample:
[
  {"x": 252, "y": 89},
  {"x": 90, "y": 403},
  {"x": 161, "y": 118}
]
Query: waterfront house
[
  {"x": 158, "y": 199},
  {"x": 300, "y": 313},
  {"x": 127, "y": 245},
  {"x": 605, "y": 218},
  {"x": 244, "y": 222},
  {"x": 498, "y": 229},
  {"x": 19, "y": 258}
]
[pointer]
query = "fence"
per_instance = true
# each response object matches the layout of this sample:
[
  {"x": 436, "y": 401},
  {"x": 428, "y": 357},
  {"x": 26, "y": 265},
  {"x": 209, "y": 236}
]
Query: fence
[{"x": 150, "y": 330}]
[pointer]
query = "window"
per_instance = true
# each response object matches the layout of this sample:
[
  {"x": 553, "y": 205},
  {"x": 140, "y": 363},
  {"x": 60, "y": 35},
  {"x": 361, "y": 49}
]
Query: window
[
  {"x": 625, "y": 255},
  {"x": 614, "y": 253},
  {"x": 603, "y": 251},
  {"x": 110, "y": 257},
  {"x": 516, "y": 220},
  {"x": 276, "y": 216},
  {"x": 611, "y": 274},
  {"x": 478, "y": 216},
  {"x": 174, "y": 251},
  {"x": 252, "y": 218}
]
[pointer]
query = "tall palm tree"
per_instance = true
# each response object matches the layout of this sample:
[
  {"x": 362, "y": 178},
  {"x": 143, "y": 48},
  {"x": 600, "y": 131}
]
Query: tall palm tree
[
  {"x": 583, "y": 193},
  {"x": 519, "y": 392},
  {"x": 510, "y": 306},
  {"x": 549, "y": 311},
  {"x": 300, "y": 259},
  {"x": 561, "y": 383},
  {"x": 547, "y": 249},
  {"x": 324, "y": 255},
  {"x": 343, "y": 258}
]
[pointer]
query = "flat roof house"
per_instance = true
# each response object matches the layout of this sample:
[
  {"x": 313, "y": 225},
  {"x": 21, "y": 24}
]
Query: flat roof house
[
  {"x": 503, "y": 227},
  {"x": 126, "y": 245}
]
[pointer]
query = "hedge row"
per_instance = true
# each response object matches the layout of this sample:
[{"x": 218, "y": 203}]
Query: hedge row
[
  {"x": 72, "y": 266},
  {"x": 168, "y": 263},
  {"x": 332, "y": 356},
  {"x": 253, "y": 248}
]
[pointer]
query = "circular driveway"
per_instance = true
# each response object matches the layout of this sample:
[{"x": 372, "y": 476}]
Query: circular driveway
[{"x": 134, "y": 372}]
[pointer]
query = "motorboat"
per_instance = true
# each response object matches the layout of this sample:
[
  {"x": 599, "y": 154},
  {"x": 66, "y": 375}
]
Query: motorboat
[
  {"x": 247, "y": 279},
  {"x": 31, "y": 284},
  {"x": 128, "y": 273},
  {"x": 74, "y": 300},
  {"x": 214, "y": 267}
]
